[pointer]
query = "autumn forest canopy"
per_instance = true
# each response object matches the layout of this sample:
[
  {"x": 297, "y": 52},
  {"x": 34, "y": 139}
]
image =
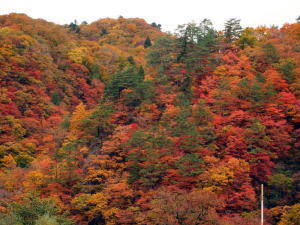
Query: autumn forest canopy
[{"x": 118, "y": 123}]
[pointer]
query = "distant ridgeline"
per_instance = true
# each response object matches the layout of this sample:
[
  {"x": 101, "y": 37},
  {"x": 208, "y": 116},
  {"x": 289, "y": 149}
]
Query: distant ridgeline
[{"x": 116, "y": 122}]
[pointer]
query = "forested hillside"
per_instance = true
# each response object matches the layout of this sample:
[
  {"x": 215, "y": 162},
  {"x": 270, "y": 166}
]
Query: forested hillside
[{"x": 116, "y": 122}]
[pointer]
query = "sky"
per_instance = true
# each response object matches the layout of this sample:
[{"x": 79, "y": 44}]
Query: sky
[{"x": 169, "y": 13}]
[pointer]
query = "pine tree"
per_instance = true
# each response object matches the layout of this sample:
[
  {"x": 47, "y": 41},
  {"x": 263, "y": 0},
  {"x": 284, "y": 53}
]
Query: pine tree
[
  {"x": 232, "y": 30},
  {"x": 147, "y": 42}
]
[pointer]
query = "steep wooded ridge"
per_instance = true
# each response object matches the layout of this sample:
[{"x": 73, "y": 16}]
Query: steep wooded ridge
[{"x": 116, "y": 123}]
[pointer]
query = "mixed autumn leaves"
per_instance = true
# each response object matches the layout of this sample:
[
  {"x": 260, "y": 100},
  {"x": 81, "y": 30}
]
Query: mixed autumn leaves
[{"x": 116, "y": 122}]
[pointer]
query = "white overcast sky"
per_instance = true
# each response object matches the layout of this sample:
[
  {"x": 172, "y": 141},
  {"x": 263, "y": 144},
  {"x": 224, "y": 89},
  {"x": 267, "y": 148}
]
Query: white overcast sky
[{"x": 169, "y": 13}]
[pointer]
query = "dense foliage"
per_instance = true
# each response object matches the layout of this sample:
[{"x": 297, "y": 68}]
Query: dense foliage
[{"x": 116, "y": 122}]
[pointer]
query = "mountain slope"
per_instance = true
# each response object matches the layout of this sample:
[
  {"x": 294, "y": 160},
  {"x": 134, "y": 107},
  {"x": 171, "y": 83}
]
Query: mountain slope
[{"x": 120, "y": 123}]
